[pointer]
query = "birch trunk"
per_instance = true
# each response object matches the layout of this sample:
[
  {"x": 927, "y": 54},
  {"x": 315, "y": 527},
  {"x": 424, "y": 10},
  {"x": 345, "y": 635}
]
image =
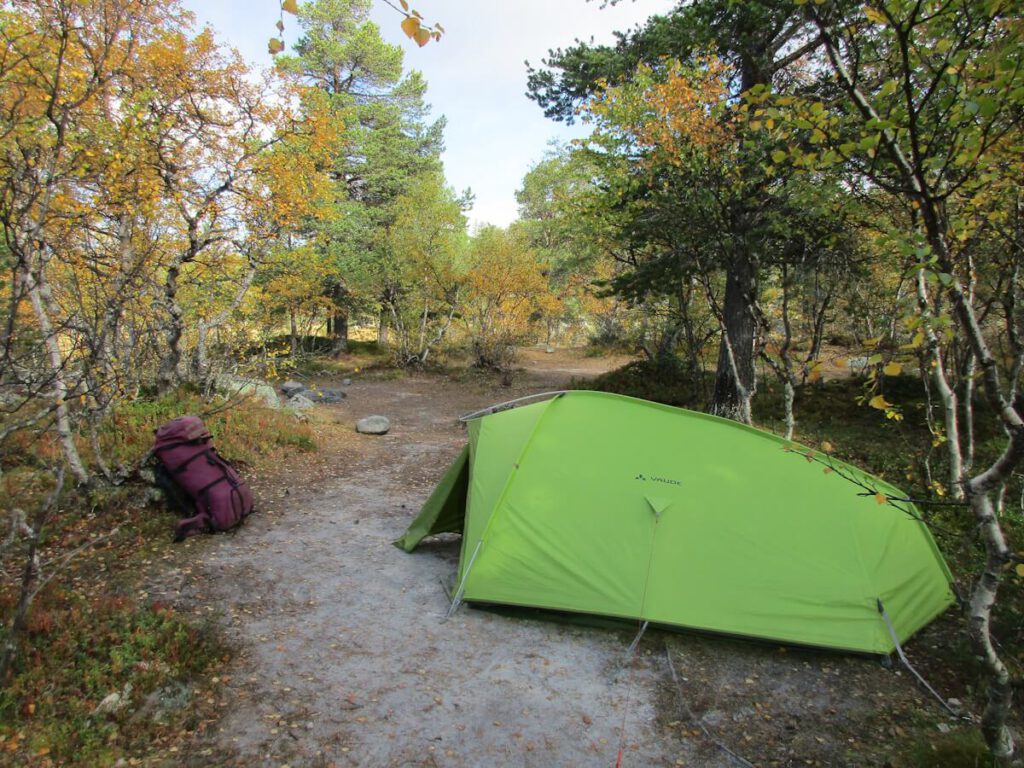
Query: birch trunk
[{"x": 35, "y": 289}]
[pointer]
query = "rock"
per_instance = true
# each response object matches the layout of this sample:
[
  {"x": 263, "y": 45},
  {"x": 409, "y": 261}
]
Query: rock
[
  {"x": 114, "y": 702},
  {"x": 292, "y": 388},
  {"x": 162, "y": 703},
  {"x": 324, "y": 395},
  {"x": 346, "y": 382},
  {"x": 110, "y": 703},
  {"x": 237, "y": 386},
  {"x": 857, "y": 364},
  {"x": 300, "y": 402},
  {"x": 373, "y": 425},
  {"x": 712, "y": 717}
]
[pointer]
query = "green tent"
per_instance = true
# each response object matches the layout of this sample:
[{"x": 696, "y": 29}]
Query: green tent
[{"x": 602, "y": 504}]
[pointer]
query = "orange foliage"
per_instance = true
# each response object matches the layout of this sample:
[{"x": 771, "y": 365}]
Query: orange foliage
[{"x": 671, "y": 110}]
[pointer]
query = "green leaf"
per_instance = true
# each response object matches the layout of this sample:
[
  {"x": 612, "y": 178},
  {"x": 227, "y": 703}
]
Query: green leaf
[
  {"x": 778, "y": 156},
  {"x": 889, "y": 88}
]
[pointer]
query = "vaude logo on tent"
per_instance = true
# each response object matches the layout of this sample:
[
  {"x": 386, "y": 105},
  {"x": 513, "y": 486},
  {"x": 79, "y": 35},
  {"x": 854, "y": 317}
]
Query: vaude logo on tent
[{"x": 655, "y": 479}]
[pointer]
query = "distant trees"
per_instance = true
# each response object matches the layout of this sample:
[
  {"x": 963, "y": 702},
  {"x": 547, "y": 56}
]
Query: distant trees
[
  {"x": 422, "y": 281},
  {"x": 571, "y": 244},
  {"x": 387, "y": 146},
  {"x": 507, "y": 296}
]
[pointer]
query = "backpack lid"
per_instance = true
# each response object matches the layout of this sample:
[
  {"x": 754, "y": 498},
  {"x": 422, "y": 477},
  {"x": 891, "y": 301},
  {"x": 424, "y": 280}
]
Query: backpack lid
[{"x": 182, "y": 429}]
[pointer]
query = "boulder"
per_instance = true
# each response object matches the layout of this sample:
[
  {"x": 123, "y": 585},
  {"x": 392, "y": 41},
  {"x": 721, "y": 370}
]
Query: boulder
[
  {"x": 324, "y": 395},
  {"x": 292, "y": 388},
  {"x": 346, "y": 382},
  {"x": 237, "y": 386},
  {"x": 373, "y": 425},
  {"x": 300, "y": 402}
]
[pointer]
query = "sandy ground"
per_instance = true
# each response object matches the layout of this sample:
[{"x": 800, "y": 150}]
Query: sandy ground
[{"x": 345, "y": 658}]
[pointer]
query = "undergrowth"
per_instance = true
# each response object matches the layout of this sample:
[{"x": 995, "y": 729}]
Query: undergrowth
[
  {"x": 103, "y": 677},
  {"x": 91, "y": 632}
]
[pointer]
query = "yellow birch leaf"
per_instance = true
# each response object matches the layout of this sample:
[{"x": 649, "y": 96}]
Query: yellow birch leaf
[
  {"x": 405, "y": 5},
  {"x": 893, "y": 369},
  {"x": 1020, "y": 570},
  {"x": 422, "y": 36},
  {"x": 879, "y": 402},
  {"x": 916, "y": 342},
  {"x": 874, "y": 15},
  {"x": 274, "y": 46},
  {"x": 827, "y": 447},
  {"x": 290, "y": 6},
  {"x": 881, "y": 498},
  {"x": 828, "y": 470},
  {"x": 841, "y": 362},
  {"x": 814, "y": 376},
  {"x": 872, "y": 343},
  {"x": 410, "y": 25}
]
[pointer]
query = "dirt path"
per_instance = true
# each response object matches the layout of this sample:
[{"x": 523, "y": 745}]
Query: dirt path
[{"x": 345, "y": 659}]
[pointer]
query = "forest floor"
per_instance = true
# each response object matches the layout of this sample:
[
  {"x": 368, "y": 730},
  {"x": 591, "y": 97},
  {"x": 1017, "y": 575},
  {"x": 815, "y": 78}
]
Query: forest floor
[{"x": 342, "y": 657}]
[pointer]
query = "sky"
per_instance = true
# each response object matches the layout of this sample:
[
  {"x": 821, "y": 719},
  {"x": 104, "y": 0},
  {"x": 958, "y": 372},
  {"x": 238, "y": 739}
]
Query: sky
[{"x": 476, "y": 75}]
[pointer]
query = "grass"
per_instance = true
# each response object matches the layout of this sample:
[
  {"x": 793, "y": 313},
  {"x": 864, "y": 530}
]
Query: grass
[
  {"x": 958, "y": 749},
  {"x": 91, "y": 632},
  {"x": 362, "y": 358},
  {"x": 247, "y": 432}
]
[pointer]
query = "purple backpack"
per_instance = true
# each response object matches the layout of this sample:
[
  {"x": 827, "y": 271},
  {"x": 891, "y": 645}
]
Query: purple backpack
[{"x": 221, "y": 498}]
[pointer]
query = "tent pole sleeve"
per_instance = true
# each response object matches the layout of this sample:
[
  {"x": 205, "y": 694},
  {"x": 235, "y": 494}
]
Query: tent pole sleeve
[
  {"x": 509, "y": 404},
  {"x": 457, "y": 600}
]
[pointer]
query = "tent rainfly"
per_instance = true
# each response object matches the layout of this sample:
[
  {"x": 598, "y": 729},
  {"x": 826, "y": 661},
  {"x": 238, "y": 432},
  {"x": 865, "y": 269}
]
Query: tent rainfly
[{"x": 602, "y": 504}]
